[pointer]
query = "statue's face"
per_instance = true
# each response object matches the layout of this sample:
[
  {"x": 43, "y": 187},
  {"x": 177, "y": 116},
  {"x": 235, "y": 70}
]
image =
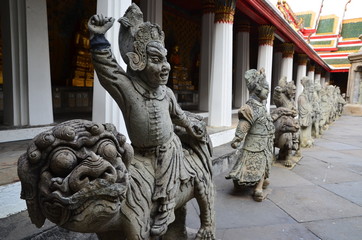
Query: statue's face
[
  {"x": 157, "y": 69},
  {"x": 264, "y": 90},
  {"x": 291, "y": 90},
  {"x": 82, "y": 189}
]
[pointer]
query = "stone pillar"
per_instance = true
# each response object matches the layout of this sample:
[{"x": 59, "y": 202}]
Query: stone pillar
[
  {"x": 241, "y": 94},
  {"x": 105, "y": 109},
  {"x": 152, "y": 11},
  {"x": 27, "y": 83},
  {"x": 206, "y": 53},
  {"x": 220, "y": 94},
  {"x": 301, "y": 72},
  {"x": 317, "y": 74},
  {"x": 310, "y": 71},
  {"x": 265, "y": 54},
  {"x": 287, "y": 61}
]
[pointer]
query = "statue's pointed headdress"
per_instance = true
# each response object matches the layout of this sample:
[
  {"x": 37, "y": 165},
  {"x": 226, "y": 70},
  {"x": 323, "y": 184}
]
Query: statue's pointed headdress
[{"x": 134, "y": 36}]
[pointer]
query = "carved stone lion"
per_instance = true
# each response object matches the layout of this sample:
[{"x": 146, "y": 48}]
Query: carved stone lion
[
  {"x": 285, "y": 126},
  {"x": 83, "y": 176}
]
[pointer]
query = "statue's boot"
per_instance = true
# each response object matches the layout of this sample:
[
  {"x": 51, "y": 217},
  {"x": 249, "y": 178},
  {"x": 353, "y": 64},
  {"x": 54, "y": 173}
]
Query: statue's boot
[
  {"x": 258, "y": 192},
  {"x": 258, "y": 195}
]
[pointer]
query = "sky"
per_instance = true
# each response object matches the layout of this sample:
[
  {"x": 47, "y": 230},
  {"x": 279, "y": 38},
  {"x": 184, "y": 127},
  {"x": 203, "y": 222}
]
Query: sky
[{"x": 354, "y": 7}]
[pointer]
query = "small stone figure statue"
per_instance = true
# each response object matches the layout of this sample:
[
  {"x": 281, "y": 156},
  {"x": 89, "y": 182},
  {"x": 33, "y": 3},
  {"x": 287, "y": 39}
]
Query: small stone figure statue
[
  {"x": 341, "y": 102},
  {"x": 316, "y": 102},
  {"x": 256, "y": 126},
  {"x": 165, "y": 163},
  {"x": 305, "y": 110}
]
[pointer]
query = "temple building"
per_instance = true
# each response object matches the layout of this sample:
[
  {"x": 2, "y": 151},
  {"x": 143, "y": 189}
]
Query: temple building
[
  {"x": 332, "y": 28},
  {"x": 46, "y": 74}
]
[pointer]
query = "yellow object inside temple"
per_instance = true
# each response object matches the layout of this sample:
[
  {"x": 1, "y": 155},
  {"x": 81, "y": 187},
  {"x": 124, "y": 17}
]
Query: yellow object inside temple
[{"x": 83, "y": 67}]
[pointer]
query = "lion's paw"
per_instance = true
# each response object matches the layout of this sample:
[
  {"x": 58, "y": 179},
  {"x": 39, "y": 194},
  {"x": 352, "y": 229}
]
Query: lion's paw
[{"x": 205, "y": 233}]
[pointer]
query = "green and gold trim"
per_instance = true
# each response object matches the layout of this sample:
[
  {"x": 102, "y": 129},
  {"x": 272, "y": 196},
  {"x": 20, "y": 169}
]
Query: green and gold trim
[
  {"x": 302, "y": 59},
  {"x": 310, "y": 67},
  {"x": 225, "y": 11},
  {"x": 242, "y": 26},
  {"x": 287, "y": 50},
  {"x": 266, "y": 35}
]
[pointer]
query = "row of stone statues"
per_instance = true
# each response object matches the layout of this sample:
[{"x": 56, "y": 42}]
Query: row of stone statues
[
  {"x": 318, "y": 107},
  {"x": 85, "y": 177},
  {"x": 290, "y": 127}
]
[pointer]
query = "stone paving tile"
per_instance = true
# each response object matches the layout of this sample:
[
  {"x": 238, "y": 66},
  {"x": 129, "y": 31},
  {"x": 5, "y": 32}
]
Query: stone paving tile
[
  {"x": 235, "y": 209},
  {"x": 357, "y": 153},
  {"x": 348, "y": 190},
  {"x": 311, "y": 203},
  {"x": 337, "y": 229},
  {"x": 332, "y": 156},
  {"x": 19, "y": 226},
  {"x": 282, "y": 177},
  {"x": 333, "y": 145},
  {"x": 321, "y": 172},
  {"x": 277, "y": 231}
]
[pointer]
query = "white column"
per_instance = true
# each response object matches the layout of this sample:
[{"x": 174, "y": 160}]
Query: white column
[
  {"x": 265, "y": 54},
  {"x": 317, "y": 77},
  {"x": 105, "y": 109},
  {"x": 220, "y": 97},
  {"x": 277, "y": 59},
  {"x": 328, "y": 77},
  {"x": 152, "y": 11},
  {"x": 287, "y": 61},
  {"x": 323, "y": 79},
  {"x": 207, "y": 30},
  {"x": 39, "y": 81},
  {"x": 310, "y": 72},
  {"x": 301, "y": 72},
  {"x": 241, "y": 94},
  {"x": 27, "y": 84}
]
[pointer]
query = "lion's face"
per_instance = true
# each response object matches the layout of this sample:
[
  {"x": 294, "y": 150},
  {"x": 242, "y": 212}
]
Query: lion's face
[
  {"x": 82, "y": 182},
  {"x": 83, "y": 187}
]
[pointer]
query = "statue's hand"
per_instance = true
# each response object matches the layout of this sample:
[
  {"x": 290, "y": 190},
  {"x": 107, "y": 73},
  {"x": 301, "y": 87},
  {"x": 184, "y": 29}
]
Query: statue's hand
[
  {"x": 236, "y": 142},
  {"x": 99, "y": 24},
  {"x": 198, "y": 129}
]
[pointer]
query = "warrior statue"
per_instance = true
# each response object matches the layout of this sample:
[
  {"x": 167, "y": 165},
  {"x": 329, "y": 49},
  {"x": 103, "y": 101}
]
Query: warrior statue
[
  {"x": 305, "y": 110},
  {"x": 256, "y": 126},
  {"x": 169, "y": 165}
]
